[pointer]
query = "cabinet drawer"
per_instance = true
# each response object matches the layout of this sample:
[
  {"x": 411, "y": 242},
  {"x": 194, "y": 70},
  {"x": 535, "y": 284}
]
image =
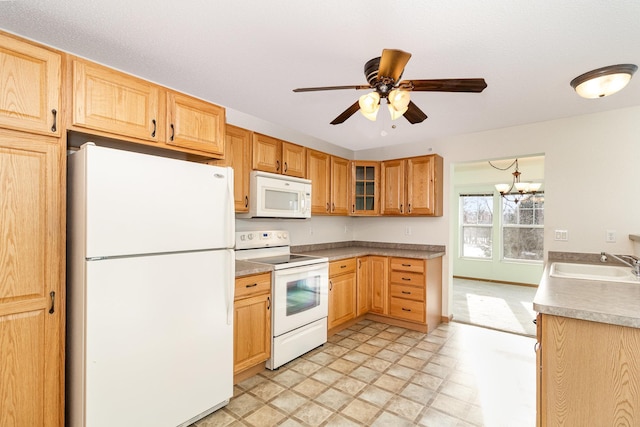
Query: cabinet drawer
[
  {"x": 404, "y": 278},
  {"x": 407, "y": 309},
  {"x": 408, "y": 264},
  {"x": 251, "y": 285},
  {"x": 408, "y": 292},
  {"x": 341, "y": 267}
]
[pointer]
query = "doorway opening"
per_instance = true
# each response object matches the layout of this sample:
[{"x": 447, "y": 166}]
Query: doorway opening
[{"x": 497, "y": 251}]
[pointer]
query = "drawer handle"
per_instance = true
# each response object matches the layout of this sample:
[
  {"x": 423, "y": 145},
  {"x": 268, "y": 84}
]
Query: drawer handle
[
  {"x": 406, "y": 292},
  {"x": 406, "y": 265},
  {"x": 406, "y": 309},
  {"x": 343, "y": 266},
  {"x": 253, "y": 285},
  {"x": 408, "y": 279}
]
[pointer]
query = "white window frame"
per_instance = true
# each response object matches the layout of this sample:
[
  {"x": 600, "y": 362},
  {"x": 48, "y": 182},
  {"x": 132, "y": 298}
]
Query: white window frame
[
  {"x": 504, "y": 226},
  {"x": 462, "y": 226}
]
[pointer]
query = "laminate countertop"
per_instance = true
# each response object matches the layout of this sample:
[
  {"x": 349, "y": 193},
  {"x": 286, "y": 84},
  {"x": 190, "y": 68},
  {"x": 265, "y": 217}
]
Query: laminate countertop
[
  {"x": 343, "y": 250},
  {"x": 597, "y": 301}
]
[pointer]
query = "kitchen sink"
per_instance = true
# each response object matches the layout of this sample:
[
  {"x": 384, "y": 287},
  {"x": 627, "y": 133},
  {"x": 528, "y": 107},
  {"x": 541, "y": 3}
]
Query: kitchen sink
[{"x": 610, "y": 273}]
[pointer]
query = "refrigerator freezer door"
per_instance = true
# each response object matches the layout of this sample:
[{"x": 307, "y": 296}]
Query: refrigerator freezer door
[
  {"x": 140, "y": 204},
  {"x": 159, "y": 349}
]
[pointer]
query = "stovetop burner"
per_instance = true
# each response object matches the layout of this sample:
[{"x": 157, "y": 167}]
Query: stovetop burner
[{"x": 271, "y": 247}]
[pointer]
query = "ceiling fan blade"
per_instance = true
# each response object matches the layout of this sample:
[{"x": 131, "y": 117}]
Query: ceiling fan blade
[
  {"x": 392, "y": 63},
  {"x": 445, "y": 85},
  {"x": 346, "y": 114},
  {"x": 414, "y": 114},
  {"x": 315, "y": 89}
]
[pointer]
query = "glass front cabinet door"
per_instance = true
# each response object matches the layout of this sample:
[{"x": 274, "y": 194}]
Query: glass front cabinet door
[{"x": 365, "y": 177}]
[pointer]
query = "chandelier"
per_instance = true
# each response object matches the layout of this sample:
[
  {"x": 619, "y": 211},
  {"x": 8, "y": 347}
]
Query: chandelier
[{"x": 522, "y": 189}]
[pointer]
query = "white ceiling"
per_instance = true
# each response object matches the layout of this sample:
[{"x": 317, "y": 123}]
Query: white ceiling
[{"x": 248, "y": 55}]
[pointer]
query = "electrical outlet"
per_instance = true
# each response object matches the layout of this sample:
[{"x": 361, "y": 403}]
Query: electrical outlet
[
  {"x": 407, "y": 231},
  {"x": 610, "y": 236},
  {"x": 562, "y": 235}
]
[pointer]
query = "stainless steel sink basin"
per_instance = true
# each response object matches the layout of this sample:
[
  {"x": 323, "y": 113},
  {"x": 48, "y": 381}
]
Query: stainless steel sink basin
[{"x": 609, "y": 273}]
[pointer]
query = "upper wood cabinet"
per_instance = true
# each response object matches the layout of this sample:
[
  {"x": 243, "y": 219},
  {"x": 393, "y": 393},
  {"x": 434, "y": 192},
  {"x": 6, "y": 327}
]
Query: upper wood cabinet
[
  {"x": 276, "y": 156},
  {"x": 412, "y": 186},
  {"x": 110, "y": 101},
  {"x": 32, "y": 292},
  {"x": 329, "y": 177},
  {"x": 238, "y": 156},
  {"x": 365, "y": 180},
  {"x": 339, "y": 186},
  {"x": 30, "y": 82},
  {"x": 195, "y": 124},
  {"x": 319, "y": 172},
  {"x": 118, "y": 104}
]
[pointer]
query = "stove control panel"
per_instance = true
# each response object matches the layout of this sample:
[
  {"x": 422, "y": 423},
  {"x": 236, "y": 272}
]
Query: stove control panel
[{"x": 262, "y": 239}]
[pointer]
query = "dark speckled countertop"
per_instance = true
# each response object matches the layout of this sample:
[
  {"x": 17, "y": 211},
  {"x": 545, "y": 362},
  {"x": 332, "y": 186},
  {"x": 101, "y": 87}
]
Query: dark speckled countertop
[{"x": 342, "y": 250}]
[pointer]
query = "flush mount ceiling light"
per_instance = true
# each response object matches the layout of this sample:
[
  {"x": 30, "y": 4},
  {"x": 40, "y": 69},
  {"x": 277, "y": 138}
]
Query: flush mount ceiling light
[
  {"x": 603, "y": 81},
  {"x": 522, "y": 188}
]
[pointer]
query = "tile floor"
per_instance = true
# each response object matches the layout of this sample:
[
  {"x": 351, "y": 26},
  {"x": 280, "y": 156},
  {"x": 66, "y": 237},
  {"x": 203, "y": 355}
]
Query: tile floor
[
  {"x": 494, "y": 305},
  {"x": 373, "y": 374}
]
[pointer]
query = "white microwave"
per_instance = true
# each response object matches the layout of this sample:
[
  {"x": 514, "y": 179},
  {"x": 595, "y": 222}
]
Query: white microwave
[{"x": 278, "y": 196}]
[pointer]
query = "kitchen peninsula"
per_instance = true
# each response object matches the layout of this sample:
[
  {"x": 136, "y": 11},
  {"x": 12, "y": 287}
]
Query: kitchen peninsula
[{"x": 588, "y": 342}]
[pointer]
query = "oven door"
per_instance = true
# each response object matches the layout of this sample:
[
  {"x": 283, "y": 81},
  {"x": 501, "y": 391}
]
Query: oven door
[{"x": 300, "y": 296}]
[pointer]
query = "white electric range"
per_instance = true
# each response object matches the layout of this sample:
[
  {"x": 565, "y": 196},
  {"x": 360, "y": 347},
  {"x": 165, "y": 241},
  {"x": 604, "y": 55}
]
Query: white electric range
[{"x": 299, "y": 292}]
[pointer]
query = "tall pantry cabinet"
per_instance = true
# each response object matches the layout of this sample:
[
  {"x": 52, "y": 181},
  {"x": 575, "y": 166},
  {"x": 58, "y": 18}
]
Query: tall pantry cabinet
[{"x": 32, "y": 298}]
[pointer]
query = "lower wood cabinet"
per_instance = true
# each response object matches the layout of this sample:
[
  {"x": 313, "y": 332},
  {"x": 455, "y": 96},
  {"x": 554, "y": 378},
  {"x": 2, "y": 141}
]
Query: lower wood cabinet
[
  {"x": 252, "y": 321},
  {"x": 342, "y": 292},
  {"x": 588, "y": 373},
  {"x": 403, "y": 291}
]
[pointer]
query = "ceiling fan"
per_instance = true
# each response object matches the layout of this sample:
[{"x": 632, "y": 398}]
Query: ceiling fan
[{"x": 383, "y": 74}]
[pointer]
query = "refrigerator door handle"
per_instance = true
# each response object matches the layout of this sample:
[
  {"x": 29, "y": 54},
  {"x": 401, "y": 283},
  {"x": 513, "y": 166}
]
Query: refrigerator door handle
[{"x": 229, "y": 287}]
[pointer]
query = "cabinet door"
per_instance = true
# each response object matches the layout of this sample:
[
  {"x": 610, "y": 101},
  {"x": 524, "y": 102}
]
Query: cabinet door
[
  {"x": 32, "y": 297},
  {"x": 342, "y": 299},
  {"x": 379, "y": 266},
  {"x": 365, "y": 177},
  {"x": 364, "y": 286},
  {"x": 424, "y": 197},
  {"x": 114, "y": 102},
  {"x": 294, "y": 159},
  {"x": 195, "y": 124},
  {"x": 392, "y": 187},
  {"x": 267, "y": 152},
  {"x": 319, "y": 172},
  {"x": 238, "y": 156},
  {"x": 30, "y": 80},
  {"x": 339, "y": 186},
  {"x": 252, "y": 331}
]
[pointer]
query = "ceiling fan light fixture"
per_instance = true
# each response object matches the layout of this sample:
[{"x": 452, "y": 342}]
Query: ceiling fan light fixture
[
  {"x": 396, "y": 114},
  {"x": 603, "y": 81},
  {"x": 369, "y": 105},
  {"x": 399, "y": 99}
]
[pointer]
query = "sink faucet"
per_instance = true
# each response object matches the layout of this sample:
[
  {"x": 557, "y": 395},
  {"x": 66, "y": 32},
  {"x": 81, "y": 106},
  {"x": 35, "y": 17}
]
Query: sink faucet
[{"x": 634, "y": 264}]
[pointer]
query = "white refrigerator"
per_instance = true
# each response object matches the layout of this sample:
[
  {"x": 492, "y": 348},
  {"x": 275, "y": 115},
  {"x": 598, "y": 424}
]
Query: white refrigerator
[{"x": 150, "y": 289}]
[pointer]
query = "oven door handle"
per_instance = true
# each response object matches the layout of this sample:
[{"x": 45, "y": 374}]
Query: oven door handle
[{"x": 309, "y": 268}]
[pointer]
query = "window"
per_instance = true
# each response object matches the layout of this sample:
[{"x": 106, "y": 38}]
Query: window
[
  {"x": 476, "y": 221},
  {"x": 523, "y": 228}
]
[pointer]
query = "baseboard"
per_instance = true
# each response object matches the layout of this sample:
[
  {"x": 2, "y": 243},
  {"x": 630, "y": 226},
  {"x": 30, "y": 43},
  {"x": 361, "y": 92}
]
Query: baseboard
[
  {"x": 502, "y": 282},
  {"x": 447, "y": 319}
]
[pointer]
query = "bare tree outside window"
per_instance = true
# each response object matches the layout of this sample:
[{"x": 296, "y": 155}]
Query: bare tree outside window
[
  {"x": 476, "y": 225},
  {"x": 523, "y": 228}
]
